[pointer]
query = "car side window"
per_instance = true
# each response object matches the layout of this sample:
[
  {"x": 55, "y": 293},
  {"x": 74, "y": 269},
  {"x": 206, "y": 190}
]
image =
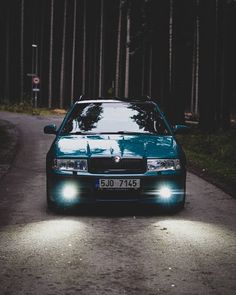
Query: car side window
[{"x": 159, "y": 126}]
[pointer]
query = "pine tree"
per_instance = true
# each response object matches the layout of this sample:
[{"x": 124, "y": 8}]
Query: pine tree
[
  {"x": 51, "y": 55},
  {"x": 62, "y": 82}
]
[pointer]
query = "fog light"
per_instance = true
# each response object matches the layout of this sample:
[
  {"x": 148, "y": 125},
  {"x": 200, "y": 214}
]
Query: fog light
[
  {"x": 69, "y": 192},
  {"x": 165, "y": 192}
]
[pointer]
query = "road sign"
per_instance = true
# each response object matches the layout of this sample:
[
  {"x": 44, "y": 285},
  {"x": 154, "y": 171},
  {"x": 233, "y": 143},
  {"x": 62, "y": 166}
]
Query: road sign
[
  {"x": 36, "y": 80},
  {"x": 36, "y": 89}
]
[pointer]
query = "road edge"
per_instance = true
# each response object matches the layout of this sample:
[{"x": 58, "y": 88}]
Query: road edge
[
  {"x": 228, "y": 188},
  {"x": 11, "y": 151}
]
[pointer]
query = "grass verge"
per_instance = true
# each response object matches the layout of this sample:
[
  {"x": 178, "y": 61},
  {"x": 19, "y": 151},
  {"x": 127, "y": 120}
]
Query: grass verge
[
  {"x": 212, "y": 156},
  {"x": 5, "y": 139},
  {"x": 27, "y": 108},
  {"x": 8, "y": 145}
]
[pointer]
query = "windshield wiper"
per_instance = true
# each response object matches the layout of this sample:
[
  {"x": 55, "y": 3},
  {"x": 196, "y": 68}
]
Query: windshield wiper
[
  {"x": 122, "y": 132},
  {"x": 135, "y": 132},
  {"x": 79, "y": 133}
]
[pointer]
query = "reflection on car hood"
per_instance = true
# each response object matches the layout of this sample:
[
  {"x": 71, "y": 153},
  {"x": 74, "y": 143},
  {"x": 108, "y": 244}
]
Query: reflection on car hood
[{"x": 110, "y": 145}]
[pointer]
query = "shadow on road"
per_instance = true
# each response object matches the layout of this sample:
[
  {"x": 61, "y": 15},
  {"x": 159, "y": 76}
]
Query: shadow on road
[{"x": 112, "y": 211}]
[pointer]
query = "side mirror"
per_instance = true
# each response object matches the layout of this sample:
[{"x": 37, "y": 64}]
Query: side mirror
[
  {"x": 50, "y": 129},
  {"x": 180, "y": 129}
]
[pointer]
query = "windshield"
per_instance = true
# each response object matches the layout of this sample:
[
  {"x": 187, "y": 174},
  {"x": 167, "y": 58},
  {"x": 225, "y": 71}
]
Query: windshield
[{"x": 115, "y": 117}]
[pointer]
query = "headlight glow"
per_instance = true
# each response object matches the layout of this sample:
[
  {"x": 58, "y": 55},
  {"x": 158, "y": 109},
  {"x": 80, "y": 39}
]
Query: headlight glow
[
  {"x": 165, "y": 192},
  {"x": 69, "y": 192},
  {"x": 78, "y": 165},
  {"x": 163, "y": 164}
]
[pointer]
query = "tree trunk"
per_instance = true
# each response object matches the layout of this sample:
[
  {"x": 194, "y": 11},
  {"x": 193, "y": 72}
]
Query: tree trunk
[
  {"x": 50, "y": 56},
  {"x": 7, "y": 83},
  {"x": 207, "y": 66},
  {"x": 193, "y": 86},
  {"x": 143, "y": 70},
  {"x": 62, "y": 82},
  {"x": 170, "y": 46},
  {"x": 100, "y": 90},
  {"x": 22, "y": 53},
  {"x": 127, "y": 57},
  {"x": 183, "y": 28},
  {"x": 117, "y": 78},
  {"x": 73, "y": 54},
  {"x": 150, "y": 72},
  {"x": 223, "y": 67},
  {"x": 84, "y": 50},
  {"x": 195, "y": 65}
]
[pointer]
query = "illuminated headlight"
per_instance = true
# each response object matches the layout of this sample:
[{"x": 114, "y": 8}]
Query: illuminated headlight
[
  {"x": 165, "y": 192},
  {"x": 163, "y": 164},
  {"x": 69, "y": 192},
  {"x": 78, "y": 165}
]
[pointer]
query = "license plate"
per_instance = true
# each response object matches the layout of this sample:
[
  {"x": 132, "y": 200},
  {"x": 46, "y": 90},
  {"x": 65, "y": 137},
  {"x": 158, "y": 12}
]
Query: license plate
[{"x": 118, "y": 183}]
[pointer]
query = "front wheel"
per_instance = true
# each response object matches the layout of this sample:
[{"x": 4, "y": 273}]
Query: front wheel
[{"x": 50, "y": 204}]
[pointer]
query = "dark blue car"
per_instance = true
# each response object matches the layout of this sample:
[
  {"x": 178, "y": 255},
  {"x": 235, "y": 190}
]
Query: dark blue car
[{"x": 115, "y": 151}]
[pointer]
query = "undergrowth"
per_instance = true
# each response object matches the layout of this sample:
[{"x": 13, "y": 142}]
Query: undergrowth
[{"x": 213, "y": 155}]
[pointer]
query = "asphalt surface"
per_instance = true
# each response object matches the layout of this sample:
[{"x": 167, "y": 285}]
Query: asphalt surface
[{"x": 108, "y": 250}]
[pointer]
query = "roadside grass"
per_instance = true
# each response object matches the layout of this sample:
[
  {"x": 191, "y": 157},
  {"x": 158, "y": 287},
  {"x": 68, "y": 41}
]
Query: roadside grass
[
  {"x": 8, "y": 141},
  {"x": 4, "y": 137},
  {"x": 27, "y": 108},
  {"x": 212, "y": 156}
]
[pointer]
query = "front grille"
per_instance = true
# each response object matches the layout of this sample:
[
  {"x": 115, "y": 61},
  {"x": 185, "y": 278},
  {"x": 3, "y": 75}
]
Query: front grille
[{"x": 125, "y": 166}]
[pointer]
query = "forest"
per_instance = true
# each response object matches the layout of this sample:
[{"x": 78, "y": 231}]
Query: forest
[{"x": 179, "y": 52}]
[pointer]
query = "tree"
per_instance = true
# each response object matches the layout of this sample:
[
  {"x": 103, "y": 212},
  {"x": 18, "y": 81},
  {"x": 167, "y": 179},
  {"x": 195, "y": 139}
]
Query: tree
[
  {"x": 195, "y": 64},
  {"x": 127, "y": 53},
  {"x": 213, "y": 96},
  {"x": 84, "y": 50},
  {"x": 62, "y": 82},
  {"x": 100, "y": 86},
  {"x": 51, "y": 56},
  {"x": 73, "y": 53},
  {"x": 182, "y": 53},
  {"x": 182, "y": 26},
  {"x": 223, "y": 73},
  {"x": 118, "y": 52},
  {"x": 7, "y": 60},
  {"x": 22, "y": 52}
]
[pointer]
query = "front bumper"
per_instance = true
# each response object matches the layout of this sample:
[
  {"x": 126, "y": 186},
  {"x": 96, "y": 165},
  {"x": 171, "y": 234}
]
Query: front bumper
[{"x": 81, "y": 189}]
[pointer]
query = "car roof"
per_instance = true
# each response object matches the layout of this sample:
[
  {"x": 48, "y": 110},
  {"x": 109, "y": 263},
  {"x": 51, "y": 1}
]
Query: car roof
[
  {"x": 111, "y": 101},
  {"x": 84, "y": 99}
]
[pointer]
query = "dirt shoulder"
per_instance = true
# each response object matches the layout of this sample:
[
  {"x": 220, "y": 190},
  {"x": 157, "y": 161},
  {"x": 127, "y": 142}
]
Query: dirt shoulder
[
  {"x": 9, "y": 136},
  {"x": 227, "y": 187},
  {"x": 212, "y": 157}
]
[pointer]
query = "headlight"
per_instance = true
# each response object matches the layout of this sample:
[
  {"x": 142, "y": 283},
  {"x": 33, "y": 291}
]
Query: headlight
[
  {"x": 69, "y": 192},
  {"x": 163, "y": 164},
  {"x": 165, "y": 192},
  {"x": 78, "y": 165}
]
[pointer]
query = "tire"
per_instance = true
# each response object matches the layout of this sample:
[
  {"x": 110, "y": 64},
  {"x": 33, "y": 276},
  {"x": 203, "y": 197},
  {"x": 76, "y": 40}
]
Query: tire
[{"x": 51, "y": 205}]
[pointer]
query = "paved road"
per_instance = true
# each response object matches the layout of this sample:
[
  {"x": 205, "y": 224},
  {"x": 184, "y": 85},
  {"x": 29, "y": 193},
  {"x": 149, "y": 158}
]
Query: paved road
[{"x": 108, "y": 251}]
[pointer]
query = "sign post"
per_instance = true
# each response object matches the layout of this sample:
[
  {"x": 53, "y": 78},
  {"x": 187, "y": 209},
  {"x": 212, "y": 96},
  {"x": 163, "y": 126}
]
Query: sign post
[{"x": 35, "y": 89}]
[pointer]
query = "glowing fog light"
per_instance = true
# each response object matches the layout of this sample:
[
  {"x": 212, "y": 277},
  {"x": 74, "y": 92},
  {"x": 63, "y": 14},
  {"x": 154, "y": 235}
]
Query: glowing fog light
[
  {"x": 165, "y": 192},
  {"x": 69, "y": 192}
]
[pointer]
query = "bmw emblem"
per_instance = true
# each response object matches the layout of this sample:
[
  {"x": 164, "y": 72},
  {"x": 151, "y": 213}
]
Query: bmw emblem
[{"x": 117, "y": 159}]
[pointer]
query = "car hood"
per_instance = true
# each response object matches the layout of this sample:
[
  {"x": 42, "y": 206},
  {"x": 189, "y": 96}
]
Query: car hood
[{"x": 150, "y": 146}]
